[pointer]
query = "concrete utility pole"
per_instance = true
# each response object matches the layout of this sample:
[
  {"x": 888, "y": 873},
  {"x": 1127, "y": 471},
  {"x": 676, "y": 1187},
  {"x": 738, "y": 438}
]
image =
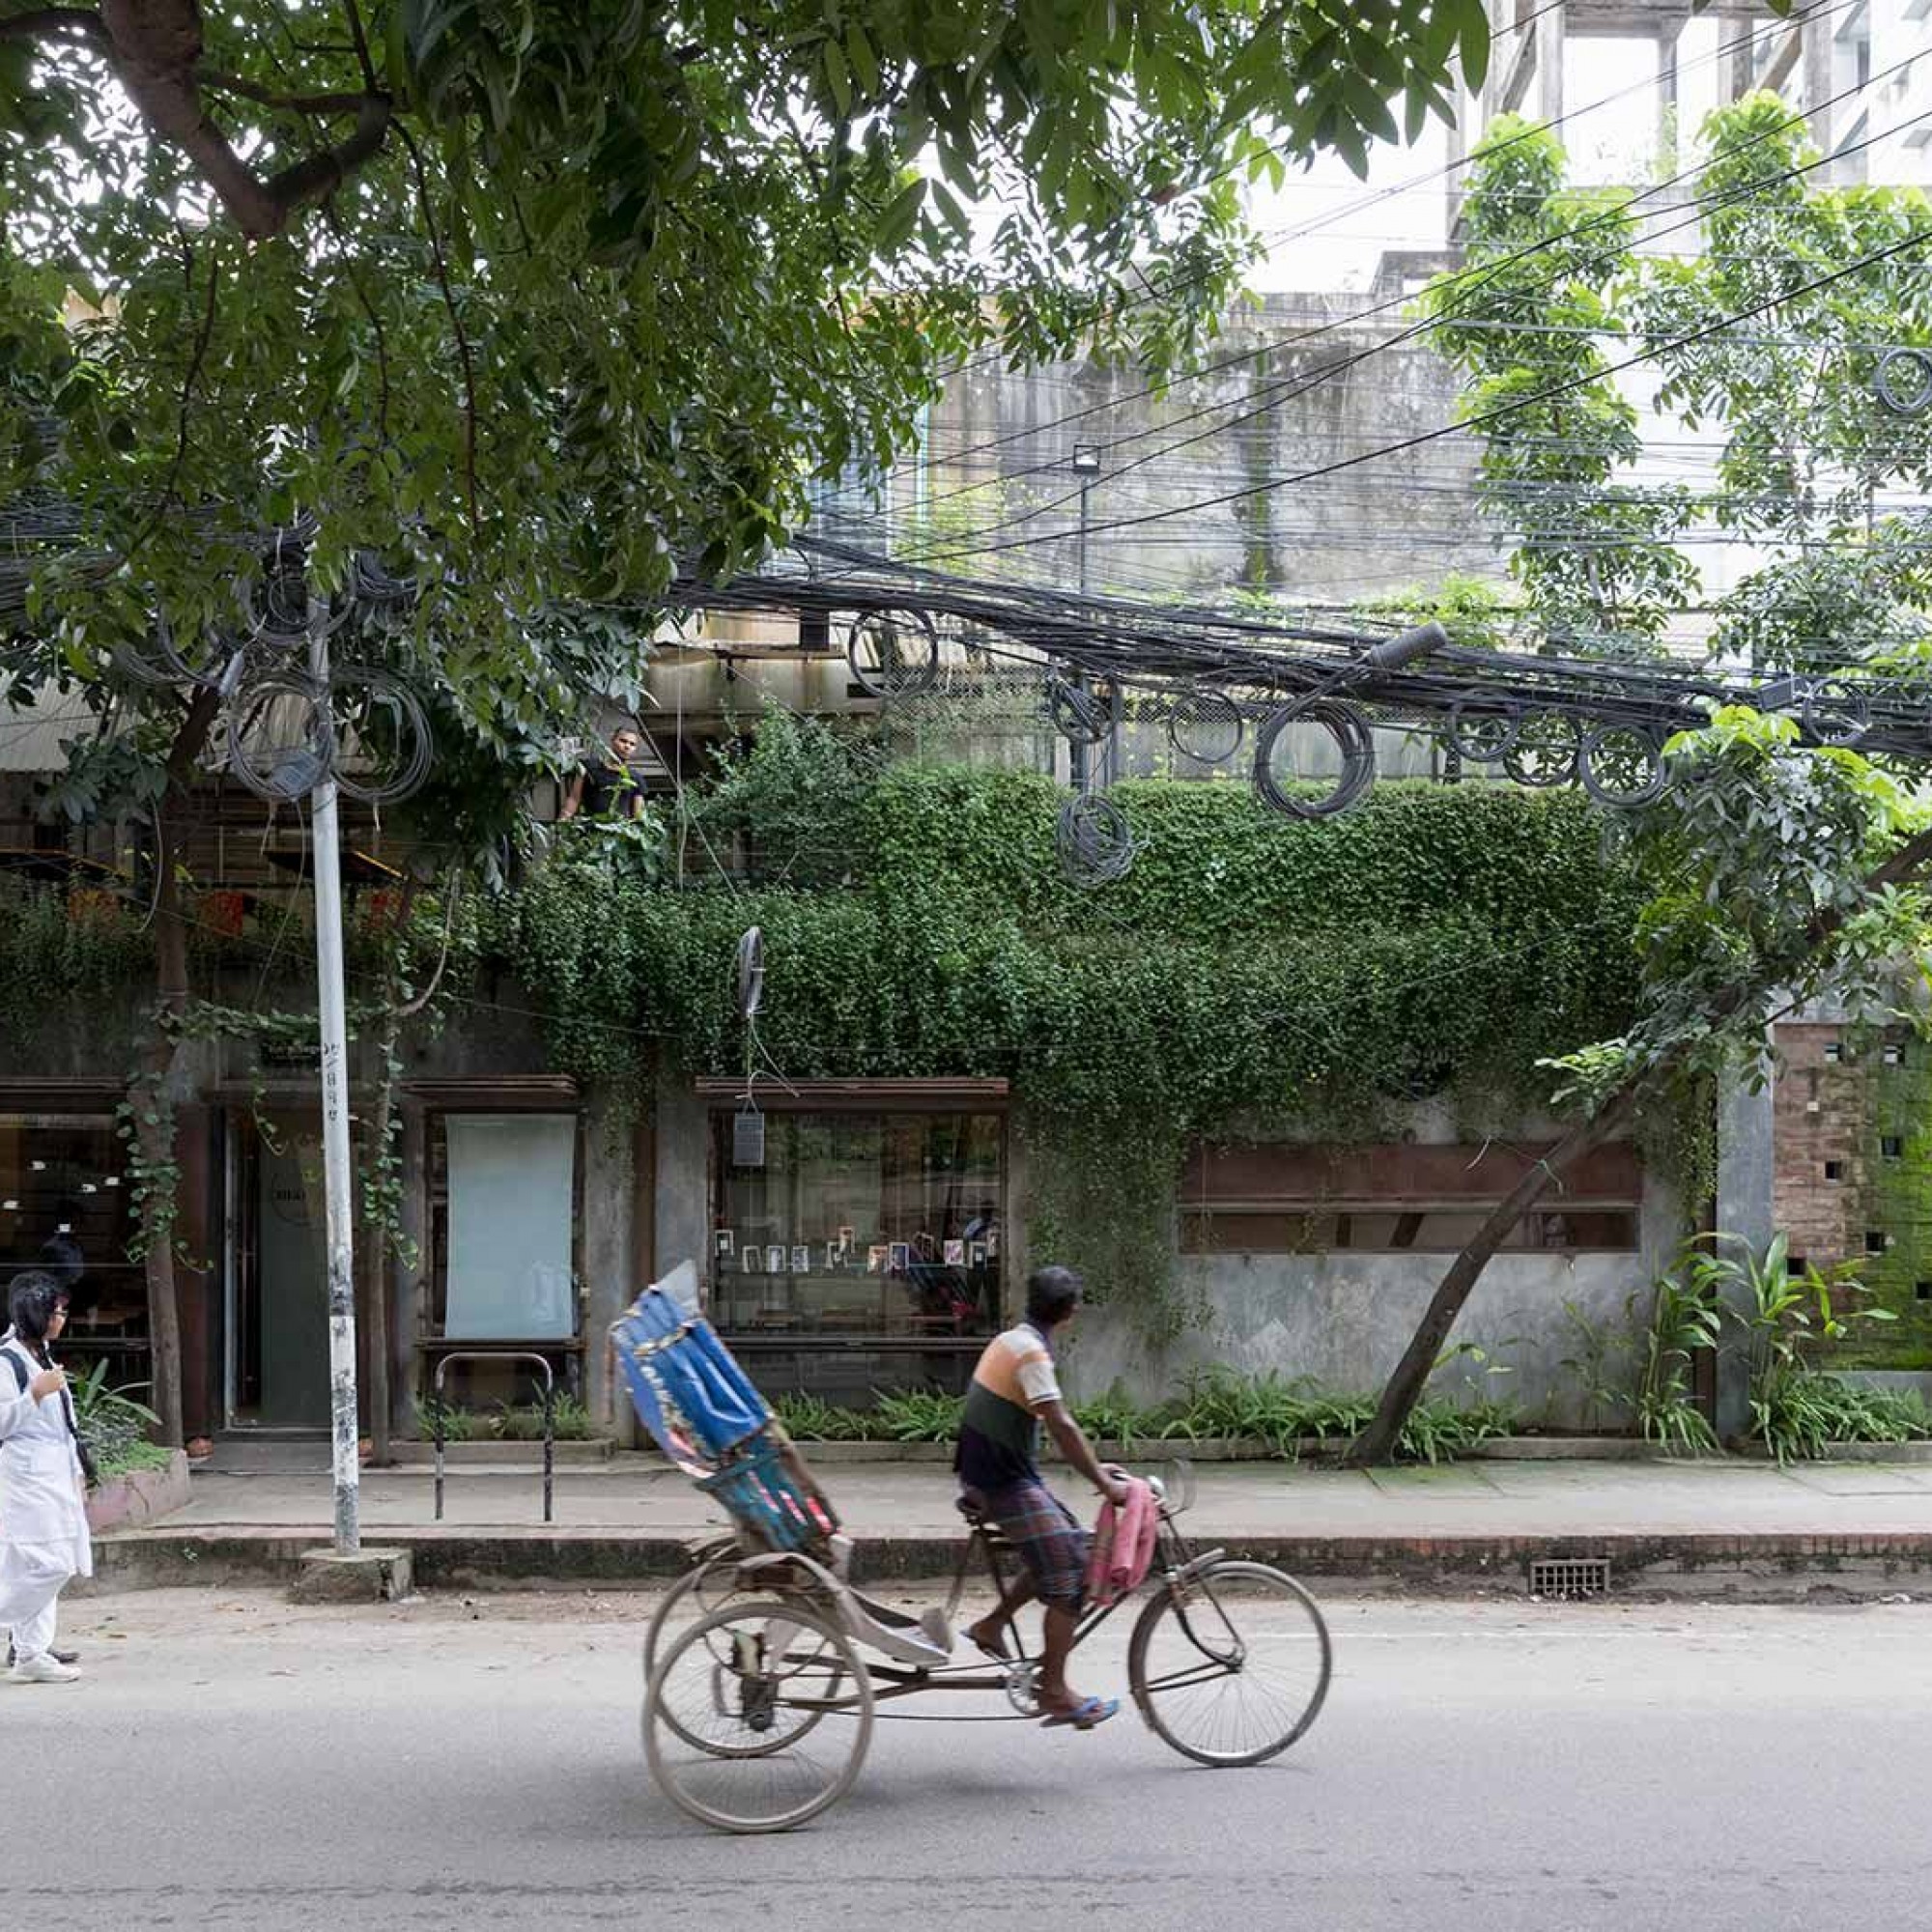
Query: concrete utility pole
[{"x": 331, "y": 1014}]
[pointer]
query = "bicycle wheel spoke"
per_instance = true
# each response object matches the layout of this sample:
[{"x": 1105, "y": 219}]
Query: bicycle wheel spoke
[{"x": 1233, "y": 1667}]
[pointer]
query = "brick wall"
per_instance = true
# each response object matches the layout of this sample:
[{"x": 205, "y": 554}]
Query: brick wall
[
  {"x": 1852, "y": 1120},
  {"x": 1821, "y": 1115}
]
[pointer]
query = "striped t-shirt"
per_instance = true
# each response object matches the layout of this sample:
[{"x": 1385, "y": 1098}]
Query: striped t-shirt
[{"x": 998, "y": 1434}]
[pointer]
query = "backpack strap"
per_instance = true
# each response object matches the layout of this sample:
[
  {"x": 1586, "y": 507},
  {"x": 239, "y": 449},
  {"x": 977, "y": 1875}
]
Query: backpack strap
[{"x": 16, "y": 1362}]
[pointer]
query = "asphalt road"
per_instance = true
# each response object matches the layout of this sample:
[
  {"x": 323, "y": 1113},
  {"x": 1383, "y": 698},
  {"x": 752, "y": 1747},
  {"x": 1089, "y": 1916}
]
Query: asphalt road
[{"x": 232, "y": 1761}]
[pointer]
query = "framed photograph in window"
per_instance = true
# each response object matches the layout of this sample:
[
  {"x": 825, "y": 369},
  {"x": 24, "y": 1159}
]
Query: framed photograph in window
[
  {"x": 754, "y": 1259},
  {"x": 898, "y": 1257},
  {"x": 774, "y": 1261},
  {"x": 976, "y": 1253},
  {"x": 848, "y": 1240},
  {"x": 801, "y": 1259},
  {"x": 723, "y": 1243},
  {"x": 955, "y": 1254},
  {"x": 835, "y": 1256},
  {"x": 877, "y": 1259}
]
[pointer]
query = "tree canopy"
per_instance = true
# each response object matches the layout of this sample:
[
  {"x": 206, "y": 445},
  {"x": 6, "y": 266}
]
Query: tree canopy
[
  {"x": 537, "y": 301},
  {"x": 1777, "y": 866},
  {"x": 1557, "y": 292}
]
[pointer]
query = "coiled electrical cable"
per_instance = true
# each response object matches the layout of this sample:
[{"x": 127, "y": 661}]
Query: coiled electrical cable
[
  {"x": 281, "y": 610},
  {"x": 158, "y": 660},
  {"x": 1078, "y": 716},
  {"x": 1205, "y": 726},
  {"x": 1621, "y": 767},
  {"x": 1480, "y": 732},
  {"x": 280, "y": 744},
  {"x": 1546, "y": 750},
  {"x": 1903, "y": 381},
  {"x": 893, "y": 655},
  {"x": 371, "y": 582},
  {"x": 385, "y": 745},
  {"x": 1093, "y": 840},
  {"x": 1836, "y": 712},
  {"x": 145, "y": 663},
  {"x": 1274, "y": 768}
]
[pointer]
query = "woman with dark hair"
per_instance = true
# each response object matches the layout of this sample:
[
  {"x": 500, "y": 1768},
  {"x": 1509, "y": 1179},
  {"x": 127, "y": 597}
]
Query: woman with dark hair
[{"x": 43, "y": 1539}]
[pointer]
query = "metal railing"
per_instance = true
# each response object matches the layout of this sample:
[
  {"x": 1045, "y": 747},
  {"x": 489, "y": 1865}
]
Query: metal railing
[{"x": 549, "y": 1412}]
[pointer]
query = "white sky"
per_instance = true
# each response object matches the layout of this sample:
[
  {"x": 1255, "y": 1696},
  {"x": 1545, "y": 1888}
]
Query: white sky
[{"x": 1325, "y": 230}]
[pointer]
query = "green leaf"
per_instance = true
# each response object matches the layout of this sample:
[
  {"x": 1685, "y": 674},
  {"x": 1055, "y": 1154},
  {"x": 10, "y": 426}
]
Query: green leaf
[
  {"x": 955, "y": 216},
  {"x": 1474, "y": 42},
  {"x": 839, "y": 79},
  {"x": 864, "y": 62},
  {"x": 895, "y": 223}
]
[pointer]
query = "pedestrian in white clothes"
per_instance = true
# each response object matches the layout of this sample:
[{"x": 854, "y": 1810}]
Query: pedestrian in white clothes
[{"x": 43, "y": 1539}]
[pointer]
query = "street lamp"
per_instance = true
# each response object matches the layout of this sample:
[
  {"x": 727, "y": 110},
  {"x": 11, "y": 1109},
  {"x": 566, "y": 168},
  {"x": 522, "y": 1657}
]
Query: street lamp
[{"x": 1086, "y": 467}]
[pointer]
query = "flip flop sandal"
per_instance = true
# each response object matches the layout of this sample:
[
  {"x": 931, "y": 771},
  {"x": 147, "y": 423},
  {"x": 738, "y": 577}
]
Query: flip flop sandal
[{"x": 1085, "y": 1715}]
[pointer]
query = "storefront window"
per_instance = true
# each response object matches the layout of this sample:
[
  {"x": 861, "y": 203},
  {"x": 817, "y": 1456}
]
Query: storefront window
[
  {"x": 503, "y": 1212},
  {"x": 65, "y": 1207},
  {"x": 860, "y": 1235}
]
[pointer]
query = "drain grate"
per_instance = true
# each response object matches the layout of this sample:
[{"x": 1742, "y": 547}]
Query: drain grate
[{"x": 1569, "y": 1579}]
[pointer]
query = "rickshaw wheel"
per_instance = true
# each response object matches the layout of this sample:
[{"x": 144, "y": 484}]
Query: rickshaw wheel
[
  {"x": 758, "y": 1718},
  {"x": 699, "y": 1582}
]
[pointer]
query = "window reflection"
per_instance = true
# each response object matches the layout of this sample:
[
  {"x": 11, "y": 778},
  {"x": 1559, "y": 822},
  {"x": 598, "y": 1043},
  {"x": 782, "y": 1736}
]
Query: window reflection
[
  {"x": 859, "y": 1225},
  {"x": 65, "y": 1207}
]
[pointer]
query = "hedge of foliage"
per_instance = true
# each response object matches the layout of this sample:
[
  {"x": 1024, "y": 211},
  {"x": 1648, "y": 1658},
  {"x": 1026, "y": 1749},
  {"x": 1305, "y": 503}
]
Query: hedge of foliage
[{"x": 1251, "y": 973}]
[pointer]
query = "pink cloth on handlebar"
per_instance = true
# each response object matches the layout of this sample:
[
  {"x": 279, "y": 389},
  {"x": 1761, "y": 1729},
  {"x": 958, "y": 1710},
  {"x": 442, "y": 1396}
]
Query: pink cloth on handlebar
[{"x": 1124, "y": 1541}]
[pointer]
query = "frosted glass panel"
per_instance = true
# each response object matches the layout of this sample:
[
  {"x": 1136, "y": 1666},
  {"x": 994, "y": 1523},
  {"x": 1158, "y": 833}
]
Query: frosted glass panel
[{"x": 510, "y": 1193}]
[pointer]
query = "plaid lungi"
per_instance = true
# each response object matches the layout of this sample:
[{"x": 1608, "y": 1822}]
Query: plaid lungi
[{"x": 1048, "y": 1537}]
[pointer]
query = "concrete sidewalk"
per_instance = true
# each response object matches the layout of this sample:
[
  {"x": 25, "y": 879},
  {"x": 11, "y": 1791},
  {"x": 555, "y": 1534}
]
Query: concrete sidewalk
[{"x": 1710, "y": 1528}]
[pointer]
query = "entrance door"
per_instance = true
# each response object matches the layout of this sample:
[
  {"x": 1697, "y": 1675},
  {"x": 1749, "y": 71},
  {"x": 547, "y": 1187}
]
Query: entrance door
[{"x": 280, "y": 1321}]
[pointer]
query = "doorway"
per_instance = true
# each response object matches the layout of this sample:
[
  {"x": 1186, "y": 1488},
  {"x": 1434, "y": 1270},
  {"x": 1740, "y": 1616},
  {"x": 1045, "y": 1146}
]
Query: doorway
[{"x": 279, "y": 1287}]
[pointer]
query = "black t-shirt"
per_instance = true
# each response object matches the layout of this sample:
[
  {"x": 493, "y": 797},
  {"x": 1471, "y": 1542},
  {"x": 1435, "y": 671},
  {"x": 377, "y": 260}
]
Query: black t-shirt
[{"x": 608, "y": 790}]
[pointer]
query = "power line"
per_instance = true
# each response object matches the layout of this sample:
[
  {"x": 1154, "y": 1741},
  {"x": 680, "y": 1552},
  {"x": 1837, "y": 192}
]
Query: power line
[
  {"x": 1174, "y": 283},
  {"x": 1302, "y": 385},
  {"x": 1487, "y": 268},
  {"x": 1477, "y": 422}
]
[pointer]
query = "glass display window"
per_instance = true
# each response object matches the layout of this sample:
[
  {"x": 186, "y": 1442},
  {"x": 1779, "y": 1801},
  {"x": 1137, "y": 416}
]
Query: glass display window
[
  {"x": 506, "y": 1203},
  {"x": 860, "y": 1228},
  {"x": 66, "y": 1208}
]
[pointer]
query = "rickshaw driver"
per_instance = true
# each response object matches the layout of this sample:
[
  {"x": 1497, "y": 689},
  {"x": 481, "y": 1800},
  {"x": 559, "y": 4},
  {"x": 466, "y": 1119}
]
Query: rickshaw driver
[{"x": 1015, "y": 1391}]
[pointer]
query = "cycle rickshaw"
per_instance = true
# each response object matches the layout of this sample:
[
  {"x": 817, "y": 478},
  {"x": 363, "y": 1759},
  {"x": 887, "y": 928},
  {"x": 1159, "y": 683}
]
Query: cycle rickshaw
[{"x": 765, "y": 1666}]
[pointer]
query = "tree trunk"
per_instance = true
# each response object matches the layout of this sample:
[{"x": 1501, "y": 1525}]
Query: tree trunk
[
  {"x": 152, "y": 1097},
  {"x": 155, "y": 1141},
  {"x": 1376, "y": 1443}
]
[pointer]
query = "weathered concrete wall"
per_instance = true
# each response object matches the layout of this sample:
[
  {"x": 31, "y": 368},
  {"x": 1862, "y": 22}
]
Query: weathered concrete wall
[
  {"x": 1297, "y": 381},
  {"x": 683, "y": 1178},
  {"x": 1344, "y": 1319}
]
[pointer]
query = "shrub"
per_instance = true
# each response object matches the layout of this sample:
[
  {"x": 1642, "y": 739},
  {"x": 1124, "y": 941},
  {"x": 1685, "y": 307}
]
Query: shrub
[{"x": 920, "y": 1415}]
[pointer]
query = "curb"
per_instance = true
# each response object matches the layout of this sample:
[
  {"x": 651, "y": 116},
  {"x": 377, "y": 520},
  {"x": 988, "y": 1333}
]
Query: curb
[{"x": 1736, "y": 1566}]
